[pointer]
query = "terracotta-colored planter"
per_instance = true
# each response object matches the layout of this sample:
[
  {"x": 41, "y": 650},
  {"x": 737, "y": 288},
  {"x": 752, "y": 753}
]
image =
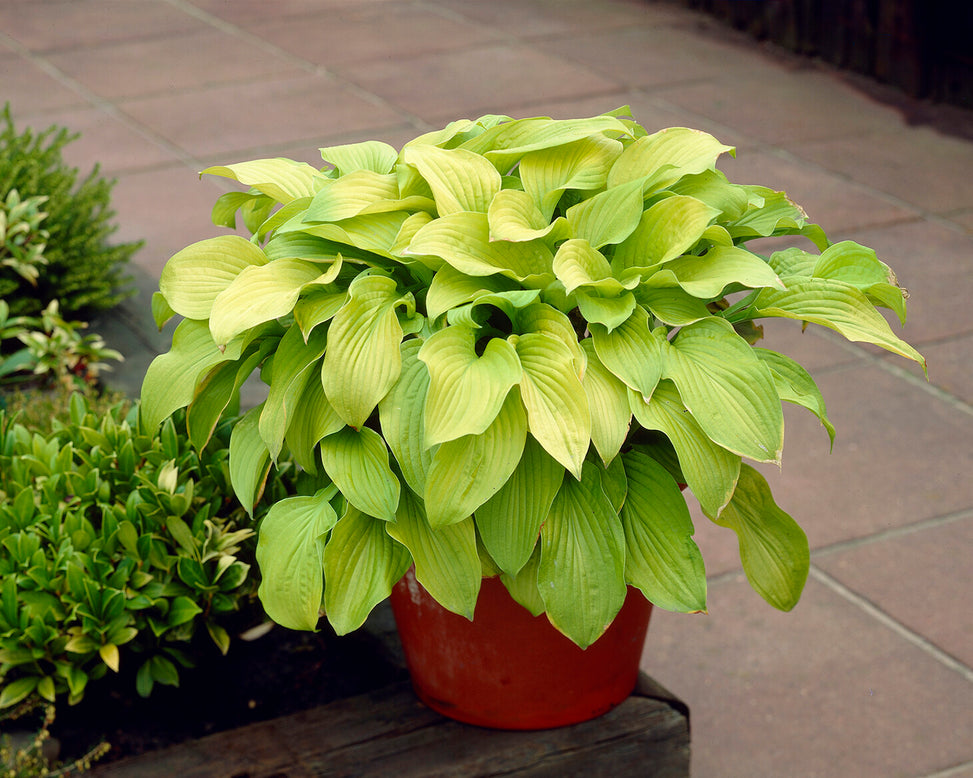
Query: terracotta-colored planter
[{"x": 509, "y": 670}]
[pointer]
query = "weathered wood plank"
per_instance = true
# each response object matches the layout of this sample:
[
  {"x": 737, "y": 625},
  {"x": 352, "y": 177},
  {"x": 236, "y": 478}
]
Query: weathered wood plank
[{"x": 389, "y": 732}]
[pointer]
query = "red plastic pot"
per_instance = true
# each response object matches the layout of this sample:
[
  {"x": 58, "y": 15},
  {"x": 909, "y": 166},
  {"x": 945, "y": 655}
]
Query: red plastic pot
[{"x": 509, "y": 670}]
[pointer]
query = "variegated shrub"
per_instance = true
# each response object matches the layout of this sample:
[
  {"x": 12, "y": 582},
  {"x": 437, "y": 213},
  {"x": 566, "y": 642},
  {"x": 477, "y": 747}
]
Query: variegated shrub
[{"x": 502, "y": 350}]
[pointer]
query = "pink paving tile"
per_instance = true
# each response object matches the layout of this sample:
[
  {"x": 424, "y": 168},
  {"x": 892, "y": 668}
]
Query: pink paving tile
[
  {"x": 232, "y": 118},
  {"x": 29, "y": 89},
  {"x": 822, "y": 691},
  {"x": 384, "y": 32},
  {"x": 915, "y": 164},
  {"x": 923, "y": 580},
  {"x": 901, "y": 456},
  {"x": 950, "y": 368},
  {"x": 109, "y": 142},
  {"x": 489, "y": 79},
  {"x": 164, "y": 65},
  {"x": 69, "y": 24},
  {"x": 244, "y": 10}
]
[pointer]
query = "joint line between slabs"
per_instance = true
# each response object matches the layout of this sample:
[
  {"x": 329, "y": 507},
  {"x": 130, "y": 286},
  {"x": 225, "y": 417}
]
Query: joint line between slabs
[{"x": 897, "y": 627}]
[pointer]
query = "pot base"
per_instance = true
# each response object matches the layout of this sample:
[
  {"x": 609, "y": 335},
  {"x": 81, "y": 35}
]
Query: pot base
[{"x": 508, "y": 669}]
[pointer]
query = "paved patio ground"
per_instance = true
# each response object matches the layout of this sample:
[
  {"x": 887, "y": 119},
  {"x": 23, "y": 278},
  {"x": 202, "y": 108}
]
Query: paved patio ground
[{"x": 870, "y": 676}]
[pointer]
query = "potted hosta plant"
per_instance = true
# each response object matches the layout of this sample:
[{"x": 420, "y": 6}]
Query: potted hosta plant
[{"x": 502, "y": 352}]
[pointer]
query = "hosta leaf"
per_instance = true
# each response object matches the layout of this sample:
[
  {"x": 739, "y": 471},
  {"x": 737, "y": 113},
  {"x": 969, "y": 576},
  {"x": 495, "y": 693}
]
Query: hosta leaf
[
  {"x": 708, "y": 275},
  {"x": 710, "y": 470},
  {"x": 358, "y": 463},
  {"x": 478, "y": 313},
  {"x": 665, "y": 231},
  {"x": 171, "y": 379},
  {"x": 773, "y": 213},
  {"x": 362, "y": 361},
  {"x": 402, "y": 416},
  {"x": 466, "y": 391},
  {"x": 672, "y": 305},
  {"x": 609, "y": 216},
  {"x": 581, "y": 575},
  {"x": 795, "y": 385},
  {"x": 316, "y": 307},
  {"x": 557, "y": 407},
  {"x": 349, "y": 195},
  {"x": 582, "y": 164},
  {"x": 611, "y": 312},
  {"x": 712, "y": 187},
  {"x": 504, "y": 144},
  {"x": 541, "y": 317},
  {"x": 728, "y": 390},
  {"x": 838, "y": 306},
  {"x": 282, "y": 179},
  {"x": 460, "y": 180},
  {"x": 773, "y": 548},
  {"x": 451, "y": 288},
  {"x": 361, "y": 565},
  {"x": 463, "y": 240},
  {"x": 258, "y": 294},
  {"x": 373, "y": 155},
  {"x": 446, "y": 559},
  {"x": 290, "y": 552},
  {"x": 608, "y": 402},
  {"x": 514, "y": 216},
  {"x": 318, "y": 420},
  {"x": 577, "y": 264},
  {"x": 661, "y": 558},
  {"x": 857, "y": 265},
  {"x": 468, "y": 471},
  {"x": 194, "y": 277},
  {"x": 522, "y": 587},
  {"x": 509, "y": 523},
  {"x": 631, "y": 351},
  {"x": 249, "y": 459},
  {"x": 370, "y": 232},
  {"x": 667, "y": 156},
  {"x": 295, "y": 362}
]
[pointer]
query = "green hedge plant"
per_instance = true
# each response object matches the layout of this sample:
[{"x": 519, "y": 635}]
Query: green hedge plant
[
  {"x": 84, "y": 270},
  {"x": 501, "y": 350},
  {"x": 118, "y": 547}
]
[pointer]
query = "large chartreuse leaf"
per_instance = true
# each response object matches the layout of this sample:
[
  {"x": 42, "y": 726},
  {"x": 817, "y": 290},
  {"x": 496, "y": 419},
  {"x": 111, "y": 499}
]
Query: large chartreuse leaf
[
  {"x": 710, "y": 470},
  {"x": 773, "y": 213},
  {"x": 509, "y": 523},
  {"x": 666, "y": 156},
  {"x": 838, "y": 306},
  {"x": 468, "y": 471},
  {"x": 795, "y": 385},
  {"x": 361, "y": 565},
  {"x": 194, "y": 277},
  {"x": 708, "y": 275},
  {"x": 371, "y": 232},
  {"x": 661, "y": 558},
  {"x": 358, "y": 463},
  {"x": 581, "y": 575},
  {"x": 290, "y": 552},
  {"x": 609, "y": 216},
  {"x": 577, "y": 264},
  {"x": 859, "y": 266},
  {"x": 281, "y": 179},
  {"x": 665, "y": 231},
  {"x": 451, "y": 288},
  {"x": 171, "y": 379},
  {"x": 557, "y": 406},
  {"x": 773, "y": 548},
  {"x": 632, "y": 351},
  {"x": 373, "y": 155},
  {"x": 514, "y": 216},
  {"x": 672, "y": 305},
  {"x": 348, "y": 196},
  {"x": 466, "y": 390},
  {"x": 446, "y": 559},
  {"x": 729, "y": 391},
  {"x": 582, "y": 164},
  {"x": 258, "y": 294},
  {"x": 402, "y": 415},
  {"x": 608, "y": 402},
  {"x": 460, "y": 180},
  {"x": 463, "y": 241},
  {"x": 249, "y": 459},
  {"x": 544, "y": 318},
  {"x": 318, "y": 419},
  {"x": 295, "y": 363},
  {"x": 362, "y": 361}
]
